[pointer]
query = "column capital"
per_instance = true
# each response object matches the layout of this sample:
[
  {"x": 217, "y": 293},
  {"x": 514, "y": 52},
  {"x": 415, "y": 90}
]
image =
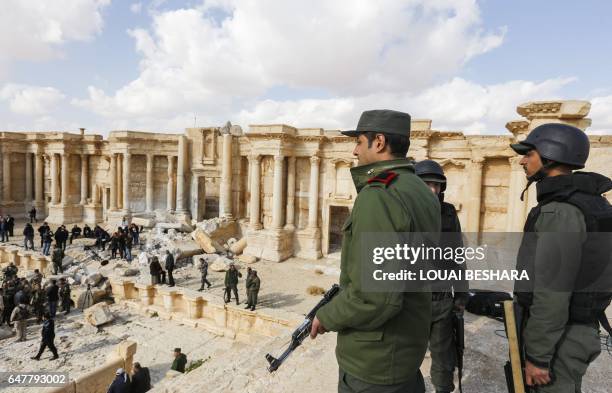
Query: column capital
[
  {"x": 314, "y": 160},
  {"x": 278, "y": 158},
  {"x": 254, "y": 157},
  {"x": 478, "y": 160}
]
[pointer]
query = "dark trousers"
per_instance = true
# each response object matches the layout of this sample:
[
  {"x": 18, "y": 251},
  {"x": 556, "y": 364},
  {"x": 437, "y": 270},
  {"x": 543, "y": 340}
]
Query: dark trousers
[
  {"x": 228, "y": 294},
  {"x": 170, "y": 278},
  {"x": 44, "y": 344},
  {"x": 205, "y": 281},
  {"x": 349, "y": 384},
  {"x": 52, "y": 308},
  {"x": 6, "y": 315},
  {"x": 66, "y": 305}
]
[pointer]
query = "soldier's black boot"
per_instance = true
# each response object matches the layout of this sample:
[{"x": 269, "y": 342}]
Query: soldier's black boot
[
  {"x": 253, "y": 308},
  {"x": 247, "y": 306}
]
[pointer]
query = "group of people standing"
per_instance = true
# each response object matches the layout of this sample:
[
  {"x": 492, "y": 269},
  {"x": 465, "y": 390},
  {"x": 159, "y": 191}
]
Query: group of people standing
[
  {"x": 21, "y": 299},
  {"x": 7, "y": 224}
]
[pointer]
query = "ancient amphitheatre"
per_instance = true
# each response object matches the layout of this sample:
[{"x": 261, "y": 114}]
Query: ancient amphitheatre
[{"x": 282, "y": 193}]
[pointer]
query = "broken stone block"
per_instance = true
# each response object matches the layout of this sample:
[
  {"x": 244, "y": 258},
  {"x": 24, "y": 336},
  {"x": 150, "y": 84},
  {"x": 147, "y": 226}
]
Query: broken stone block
[
  {"x": 237, "y": 247},
  {"x": 129, "y": 272},
  {"x": 84, "y": 241},
  {"x": 219, "y": 229},
  {"x": 144, "y": 222},
  {"x": 185, "y": 248},
  {"x": 207, "y": 244},
  {"x": 222, "y": 264},
  {"x": 98, "y": 314},
  {"x": 94, "y": 278},
  {"x": 67, "y": 261},
  {"x": 248, "y": 259}
]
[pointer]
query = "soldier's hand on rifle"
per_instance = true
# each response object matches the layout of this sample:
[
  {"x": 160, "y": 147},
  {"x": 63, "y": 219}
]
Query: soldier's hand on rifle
[
  {"x": 317, "y": 328},
  {"x": 535, "y": 375}
]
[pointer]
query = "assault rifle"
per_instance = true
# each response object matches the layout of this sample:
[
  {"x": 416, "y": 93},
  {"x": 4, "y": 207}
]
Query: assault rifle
[{"x": 302, "y": 331}]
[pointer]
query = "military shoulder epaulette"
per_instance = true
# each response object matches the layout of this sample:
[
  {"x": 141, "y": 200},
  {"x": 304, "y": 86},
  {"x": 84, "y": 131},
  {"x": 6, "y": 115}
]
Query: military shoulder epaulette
[{"x": 385, "y": 178}]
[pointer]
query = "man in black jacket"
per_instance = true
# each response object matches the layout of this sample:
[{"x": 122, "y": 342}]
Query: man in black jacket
[
  {"x": 48, "y": 335},
  {"x": 28, "y": 236},
  {"x": 44, "y": 228},
  {"x": 75, "y": 233},
  {"x": 141, "y": 379},
  {"x": 52, "y": 297},
  {"x": 170, "y": 267}
]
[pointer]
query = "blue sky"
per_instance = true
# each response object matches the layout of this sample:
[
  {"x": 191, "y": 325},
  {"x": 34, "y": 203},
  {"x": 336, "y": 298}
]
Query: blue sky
[{"x": 154, "y": 65}]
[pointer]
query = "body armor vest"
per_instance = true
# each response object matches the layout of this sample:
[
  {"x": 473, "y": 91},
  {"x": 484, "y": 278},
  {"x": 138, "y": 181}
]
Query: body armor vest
[{"x": 582, "y": 190}]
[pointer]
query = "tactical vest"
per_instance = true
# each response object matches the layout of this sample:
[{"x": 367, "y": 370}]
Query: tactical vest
[{"x": 577, "y": 190}]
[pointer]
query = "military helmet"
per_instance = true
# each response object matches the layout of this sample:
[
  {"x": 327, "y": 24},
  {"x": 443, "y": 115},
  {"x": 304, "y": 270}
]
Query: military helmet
[
  {"x": 431, "y": 171},
  {"x": 560, "y": 143}
]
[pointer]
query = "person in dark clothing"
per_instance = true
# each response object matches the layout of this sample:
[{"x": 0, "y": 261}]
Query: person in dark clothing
[
  {"x": 48, "y": 335},
  {"x": 61, "y": 236},
  {"x": 204, "y": 272},
  {"x": 231, "y": 283},
  {"x": 28, "y": 236},
  {"x": 33, "y": 215},
  {"x": 8, "y": 299},
  {"x": 114, "y": 245},
  {"x": 57, "y": 258},
  {"x": 75, "y": 233},
  {"x": 47, "y": 238},
  {"x": 4, "y": 234},
  {"x": 87, "y": 232},
  {"x": 121, "y": 383},
  {"x": 170, "y": 267},
  {"x": 44, "y": 228},
  {"x": 133, "y": 230},
  {"x": 128, "y": 247},
  {"x": 121, "y": 242},
  {"x": 52, "y": 297},
  {"x": 38, "y": 301},
  {"x": 11, "y": 224},
  {"x": 156, "y": 272},
  {"x": 141, "y": 379},
  {"x": 180, "y": 360},
  {"x": 64, "y": 295}
]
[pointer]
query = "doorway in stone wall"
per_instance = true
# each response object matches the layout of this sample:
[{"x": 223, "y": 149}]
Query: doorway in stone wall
[{"x": 337, "y": 216}]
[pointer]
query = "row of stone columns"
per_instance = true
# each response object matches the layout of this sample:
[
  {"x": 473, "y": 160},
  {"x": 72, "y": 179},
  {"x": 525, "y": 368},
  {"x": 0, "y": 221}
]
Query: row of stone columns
[
  {"x": 277, "y": 194},
  {"x": 125, "y": 181}
]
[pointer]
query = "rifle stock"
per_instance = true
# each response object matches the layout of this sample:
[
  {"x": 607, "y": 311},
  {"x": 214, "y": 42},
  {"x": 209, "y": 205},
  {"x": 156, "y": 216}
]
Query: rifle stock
[{"x": 513, "y": 369}]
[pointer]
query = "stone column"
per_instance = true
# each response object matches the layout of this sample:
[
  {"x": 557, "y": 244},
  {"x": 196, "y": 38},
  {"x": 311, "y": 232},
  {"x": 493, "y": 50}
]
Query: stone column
[
  {"x": 313, "y": 197},
  {"x": 6, "y": 176},
  {"x": 149, "y": 185},
  {"x": 290, "y": 194},
  {"x": 170, "y": 191},
  {"x": 84, "y": 178},
  {"x": 475, "y": 188},
  {"x": 516, "y": 208},
  {"x": 126, "y": 182},
  {"x": 255, "y": 162},
  {"x": 65, "y": 185},
  {"x": 225, "y": 191},
  {"x": 28, "y": 177},
  {"x": 180, "y": 175},
  {"x": 54, "y": 174},
  {"x": 119, "y": 180},
  {"x": 39, "y": 166},
  {"x": 113, "y": 182},
  {"x": 277, "y": 196}
]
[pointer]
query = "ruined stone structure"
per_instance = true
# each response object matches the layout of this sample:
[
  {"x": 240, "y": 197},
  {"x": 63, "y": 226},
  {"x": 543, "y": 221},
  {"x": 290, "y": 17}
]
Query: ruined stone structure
[{"x": 289, "y": 188}]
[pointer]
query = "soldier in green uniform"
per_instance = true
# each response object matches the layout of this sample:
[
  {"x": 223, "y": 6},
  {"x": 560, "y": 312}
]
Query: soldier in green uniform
[
  {"x": 179, "y": 362},
  {"x": 560, "y": 336},
  {"x": 58, "y": 256},
  {"x": 447, "y": 297},
  {"x": 253, "y": 290},
  {"x": 382, "y": 336},
  {"x": 231, "y": 283},
  {"x": 247, "y": 282}
]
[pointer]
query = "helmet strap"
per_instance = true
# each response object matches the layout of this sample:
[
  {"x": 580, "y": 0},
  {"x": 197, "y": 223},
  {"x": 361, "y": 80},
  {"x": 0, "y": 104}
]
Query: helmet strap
[{"x": 539, "y": 175}]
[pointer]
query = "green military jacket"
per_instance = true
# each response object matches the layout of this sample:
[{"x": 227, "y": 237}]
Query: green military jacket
[
  {"x": 254, "y": 284},
  {"x": 382, "y": 336},
  {"x": 179, "y": 362},
  {"x": 231, "y": 277},
  {"x": 549, "y": 311},
  {"x": 57, "y": 257}
]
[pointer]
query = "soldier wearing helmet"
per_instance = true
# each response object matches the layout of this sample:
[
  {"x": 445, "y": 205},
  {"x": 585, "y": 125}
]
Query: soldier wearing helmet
[
  {"x": 563, "y": 235},
  {"x": 447, "y": 297}
]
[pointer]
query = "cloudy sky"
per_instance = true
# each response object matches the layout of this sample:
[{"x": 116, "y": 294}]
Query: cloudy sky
[{"x": 164, "y": 65}]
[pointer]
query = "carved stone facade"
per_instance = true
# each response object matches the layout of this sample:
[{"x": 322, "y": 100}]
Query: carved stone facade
[{"x": 289, "y": 188}]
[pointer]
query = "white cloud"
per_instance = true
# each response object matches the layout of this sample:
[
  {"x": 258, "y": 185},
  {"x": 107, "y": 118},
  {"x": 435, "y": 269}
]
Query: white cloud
[
  {"x": 31, "y": 100},
  {"x": 193, "y": 62},
  {"x": 35, "y": 30},
  {"x": 456, "y": 105},
  {"x": 601, "y": 113},
  {"x": 136, "y": 8}
]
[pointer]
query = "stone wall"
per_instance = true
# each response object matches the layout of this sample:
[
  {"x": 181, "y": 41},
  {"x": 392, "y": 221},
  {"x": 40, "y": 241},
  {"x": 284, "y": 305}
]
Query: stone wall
[{"x": 99, "y": 379}]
